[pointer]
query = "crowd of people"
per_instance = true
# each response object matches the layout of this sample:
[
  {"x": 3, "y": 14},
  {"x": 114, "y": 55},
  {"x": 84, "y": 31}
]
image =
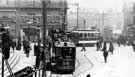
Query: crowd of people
[
  {"x": 105, "y": 47},
  {"x": 108, "y": 46}
]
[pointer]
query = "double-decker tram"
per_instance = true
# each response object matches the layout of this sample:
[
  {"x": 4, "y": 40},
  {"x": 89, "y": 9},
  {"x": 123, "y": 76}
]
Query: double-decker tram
[
  {"x": 86, "y": 37},
  {"x": 64, "y": 54}
]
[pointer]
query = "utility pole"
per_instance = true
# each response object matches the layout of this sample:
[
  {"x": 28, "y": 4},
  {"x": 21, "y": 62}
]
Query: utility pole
[
  {"x": 102, "y": 27},
  {"x": 64, "y": 16},
  {"x": 84, "y": 23},
  {"x": 44, "y": 13},
  {"x": 77, "y": 14}
]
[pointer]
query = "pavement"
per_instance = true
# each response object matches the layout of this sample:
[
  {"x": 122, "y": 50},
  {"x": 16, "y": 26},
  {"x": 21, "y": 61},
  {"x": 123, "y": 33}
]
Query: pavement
[{"x": 18, "y": 61}]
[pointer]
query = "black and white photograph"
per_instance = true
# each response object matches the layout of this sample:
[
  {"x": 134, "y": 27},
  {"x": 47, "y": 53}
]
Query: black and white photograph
[{"x": 67, "y": 38}]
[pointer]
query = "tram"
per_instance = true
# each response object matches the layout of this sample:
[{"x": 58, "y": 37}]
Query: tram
[
  {"x": 64, "y": 55},
  {"x": 86, "y": 37}
]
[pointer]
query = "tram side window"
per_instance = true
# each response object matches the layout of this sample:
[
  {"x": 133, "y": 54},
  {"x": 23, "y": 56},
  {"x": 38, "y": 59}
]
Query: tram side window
[
  {"x": 77, "y": 35},
  {"x": 96, "y": 35},
  {"x": 92, "y": 35},
  {"x": 88, "y": 34},
  {"x": 81, "y": 35},
  {"x": 58, "y": 52},
  {"x": 85, "y": 35}
]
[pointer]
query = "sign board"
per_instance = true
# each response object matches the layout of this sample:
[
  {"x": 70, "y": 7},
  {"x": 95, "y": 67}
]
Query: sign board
[{"x": 37, "y": 19}]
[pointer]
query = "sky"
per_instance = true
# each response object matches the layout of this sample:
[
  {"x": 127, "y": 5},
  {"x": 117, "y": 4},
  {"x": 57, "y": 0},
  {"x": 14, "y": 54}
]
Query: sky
[{"x": 101, "y": 5}]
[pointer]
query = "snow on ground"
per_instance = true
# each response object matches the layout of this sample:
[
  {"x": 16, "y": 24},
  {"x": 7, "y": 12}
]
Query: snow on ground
[{"x": 120, "y": 64}]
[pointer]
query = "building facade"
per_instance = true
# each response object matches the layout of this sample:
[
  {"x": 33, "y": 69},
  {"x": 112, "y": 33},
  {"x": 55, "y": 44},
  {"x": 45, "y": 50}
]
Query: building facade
[
  {"x": 25, "y": 17},
  {"x": 128, "y": 17}
]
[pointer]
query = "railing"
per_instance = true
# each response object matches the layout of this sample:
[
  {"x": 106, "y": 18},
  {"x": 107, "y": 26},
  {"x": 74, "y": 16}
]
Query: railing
[
  {"x": 7, "y": 64},
  {"x": 9, "y": 68},
  {"x": 36, "y": 73}
]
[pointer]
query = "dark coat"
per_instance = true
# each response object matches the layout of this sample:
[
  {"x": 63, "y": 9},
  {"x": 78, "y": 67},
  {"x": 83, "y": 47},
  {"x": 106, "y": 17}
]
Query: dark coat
[
  {"x": 105, "y": 53},
  {"x": 111, "y": 48}
]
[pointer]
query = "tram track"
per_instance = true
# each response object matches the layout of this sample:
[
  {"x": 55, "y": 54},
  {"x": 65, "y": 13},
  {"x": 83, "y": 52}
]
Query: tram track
[
  {"x": 89, "y": 61},
  {"x": 78, "y": 63}
]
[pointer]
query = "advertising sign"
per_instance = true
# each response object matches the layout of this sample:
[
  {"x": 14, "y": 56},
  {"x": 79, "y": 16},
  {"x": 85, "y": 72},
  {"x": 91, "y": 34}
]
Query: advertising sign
[{"x": 37, "y": 19}]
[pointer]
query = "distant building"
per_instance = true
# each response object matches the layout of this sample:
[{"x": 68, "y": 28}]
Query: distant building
[
  {"x": 98, "y": 19},
  {"x": 128, "y": 16}
]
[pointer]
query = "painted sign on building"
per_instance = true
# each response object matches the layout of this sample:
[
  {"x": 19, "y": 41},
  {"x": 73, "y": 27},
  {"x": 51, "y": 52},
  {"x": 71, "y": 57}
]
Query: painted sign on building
[{"x": 37, "y": 19}]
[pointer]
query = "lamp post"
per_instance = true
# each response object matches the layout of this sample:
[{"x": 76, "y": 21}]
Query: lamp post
[
  {"x": 44, "y": 13},
  {"x": 29, "y": 23},
  {"x": 77, "y": 14}
]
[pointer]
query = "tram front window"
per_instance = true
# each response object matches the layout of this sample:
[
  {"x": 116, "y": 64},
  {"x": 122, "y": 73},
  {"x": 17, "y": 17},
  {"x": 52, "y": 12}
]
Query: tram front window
[{"x": 67, "y": 52}]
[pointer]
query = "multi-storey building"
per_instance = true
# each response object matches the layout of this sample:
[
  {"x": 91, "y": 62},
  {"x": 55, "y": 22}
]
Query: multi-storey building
[
  {"x": 25, "y": 16},
  {"x": 128, "y": 17}
]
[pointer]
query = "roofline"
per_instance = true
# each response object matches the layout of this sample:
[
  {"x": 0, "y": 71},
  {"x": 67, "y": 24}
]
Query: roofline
[{"x": 25, "y": 7}]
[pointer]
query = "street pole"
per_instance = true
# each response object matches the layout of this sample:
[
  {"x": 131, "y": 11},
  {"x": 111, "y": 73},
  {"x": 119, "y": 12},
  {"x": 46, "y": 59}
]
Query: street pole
[
  {"x": 28, "y": 33},
  {"x": 64, "y": 16},
  {"x": 44, "y": 13},
  {"x": 102, "y": 27},
  {"x": 84, "y": 23},
  {"x": 77, "y": 14}
]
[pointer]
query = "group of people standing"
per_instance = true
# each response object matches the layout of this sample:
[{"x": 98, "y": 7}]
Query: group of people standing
[{"x": 106, "y": 48}]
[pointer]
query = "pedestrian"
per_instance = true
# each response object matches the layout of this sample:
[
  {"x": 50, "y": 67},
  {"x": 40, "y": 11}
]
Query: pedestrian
[
  {"x": 118, "y": 42},
  {"x": 27, "y": 49},
  {"x": 24, "y": 46},
  {"x": 35, "y": 49},
  {"x": 6, "y": 44},
  {"x": 105, "y": 52},
  {"x": 111, "y": 47},
  {"x": 88, "y": 75},
  {"x": 49, "y": 46},
  {"x": 100, "y": 43},
  {"x": 104, "y": 47},
  {"x": 97, "y": 44},
  {"x": 18, "y": 47},
  {"x": 83, "y": 48},
  {"x": 13, "y": 45},
  {"x": 133, "y": 45},
  {"x": 38, "y": 56}
]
